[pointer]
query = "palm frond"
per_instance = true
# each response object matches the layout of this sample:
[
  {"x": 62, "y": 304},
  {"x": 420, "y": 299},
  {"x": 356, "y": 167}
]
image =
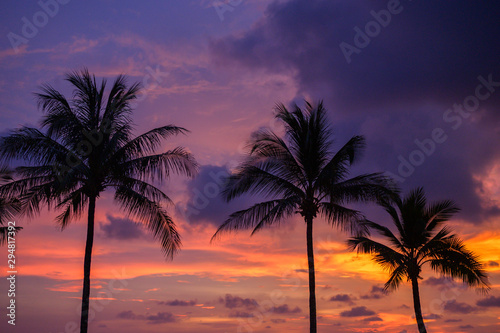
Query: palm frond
[
  {"x": 440, "y": 212},
  {"x": 453, "y": 259},
  {"x": 4, "y": 234},
  {"x": 258, "y": 215},
  {"x": 146, "y": 143},
  {"x": 158, "y": 166},
  {"x": 153, "y": 216},
  {"x": 256, "y": 180},
  {"x": 344, "y": 218},
  {"x": 338, "y": 167},
  {"x": 363, "y": 188}
]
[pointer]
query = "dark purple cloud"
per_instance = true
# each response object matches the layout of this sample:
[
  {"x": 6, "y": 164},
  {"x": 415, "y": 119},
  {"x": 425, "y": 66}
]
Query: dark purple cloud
[
  {"x": 458, "y": 307},
  {"x": 285, "y": 309},
  {"x": 375, "y": 293},
  {"x": 359, "y": 311},
  {"x": 342, "y": 298},
  {"x": 453, "y": 320},
  {"x": 491, "y": 301},
  {"x": 432, "y": 316},
  {"x": 371, "y": 319},
  {"x": 425, "y": 62},
  {"x": 204, "y": 204},
  {"x": 159, "y": 318},
  {"x": 232, "y": 302},
  {"x": 129, "y": 314},
  {"x": 466, "y": 327},
  {"x": 240, "y": 314},
  {"x": 177, "y": 302},
  {"x": 121, "y": 228}
]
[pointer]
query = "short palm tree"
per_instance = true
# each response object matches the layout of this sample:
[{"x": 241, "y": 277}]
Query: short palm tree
[
  {"x": 421, "y": 239},
  {"x": 88, "y": 147},
  {"x": 301, "y": 174},
  {"x": 8, "y": 206}
]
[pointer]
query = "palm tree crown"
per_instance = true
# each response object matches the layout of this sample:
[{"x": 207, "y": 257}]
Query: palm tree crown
[
  {"x": 422, "y": 238},
  {"x": 301, "y": 174},
  {"x": 88, "y": 147}
]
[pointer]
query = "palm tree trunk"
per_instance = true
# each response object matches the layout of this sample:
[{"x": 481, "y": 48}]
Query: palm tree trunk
[
  {"x": 86, "y": 267},
  {"x": 416, "y": 305},
  {"x": 312, "y": 278}
]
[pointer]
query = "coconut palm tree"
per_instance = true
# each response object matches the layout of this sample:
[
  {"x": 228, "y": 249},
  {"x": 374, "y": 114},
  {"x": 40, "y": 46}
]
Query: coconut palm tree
[
  {"x": 301, "y": 174},
  {"x": 85, "y": 147},
  {"x": 8, "y": 206},
  {"x": 421, "y": 238}
]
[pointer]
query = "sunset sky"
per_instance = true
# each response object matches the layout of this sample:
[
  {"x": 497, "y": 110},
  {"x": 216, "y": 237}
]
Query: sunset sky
[{"x": 419, "y": 79}]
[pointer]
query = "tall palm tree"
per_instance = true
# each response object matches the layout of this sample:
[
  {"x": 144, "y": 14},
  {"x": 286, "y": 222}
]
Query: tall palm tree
[
  {"x": 301, "y": 174},
  {"x": 8, "y": 206},
  {"x": 421, "y": 239},
  {"x": 88, "y": 147}
]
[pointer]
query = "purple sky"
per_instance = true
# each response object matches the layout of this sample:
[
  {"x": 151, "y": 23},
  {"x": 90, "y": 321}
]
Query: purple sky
[{"x": 419, "y": 79}]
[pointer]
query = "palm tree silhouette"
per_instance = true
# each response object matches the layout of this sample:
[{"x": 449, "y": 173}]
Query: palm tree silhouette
[
  {"x": 300, "y": 174},
  {"x": 87, "y": 148},
  {"x": 421, "y": 239},
  {"x": 8, "y": 206}
]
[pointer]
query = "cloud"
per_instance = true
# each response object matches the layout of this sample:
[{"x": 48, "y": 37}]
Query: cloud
[
  {"x": 121, "y": 228},
  {"x": 374, "y": 318},
  {"x": 232, "y": 302},
  {"x": 240, "y": 314},
  {"x": 453, "y": 320},
  {"x": 491, "y": 301},
  {"x": 159, "y": 318},
  {"x": 205, "y": 204},
  {"x": 458, "y": 307},
  {"x": 443, "y": 283},
  {"x": 177, "y": 302},
  {"x": 278, "y": 321},
  {"x": 285, "y": 309},
  {"x": 492, "y": 263},
  {"x": 432, "y": 316},
  {"x": 127, "y": 315},
  {"x": 375, "y": 293},
  {"x": 310, "y": 46},
  {"x": 466, "y": 327},
  {"x": 359, "y": 311},
  {"x": 342, "y": 298}
]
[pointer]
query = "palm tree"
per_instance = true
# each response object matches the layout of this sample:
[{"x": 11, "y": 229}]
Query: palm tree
[
  {"x": 421, "y": 239},
  {"x": 88, "y": 147},
  {"x": 8, "y": 206},
  {"x": 300, "y": 174}
]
